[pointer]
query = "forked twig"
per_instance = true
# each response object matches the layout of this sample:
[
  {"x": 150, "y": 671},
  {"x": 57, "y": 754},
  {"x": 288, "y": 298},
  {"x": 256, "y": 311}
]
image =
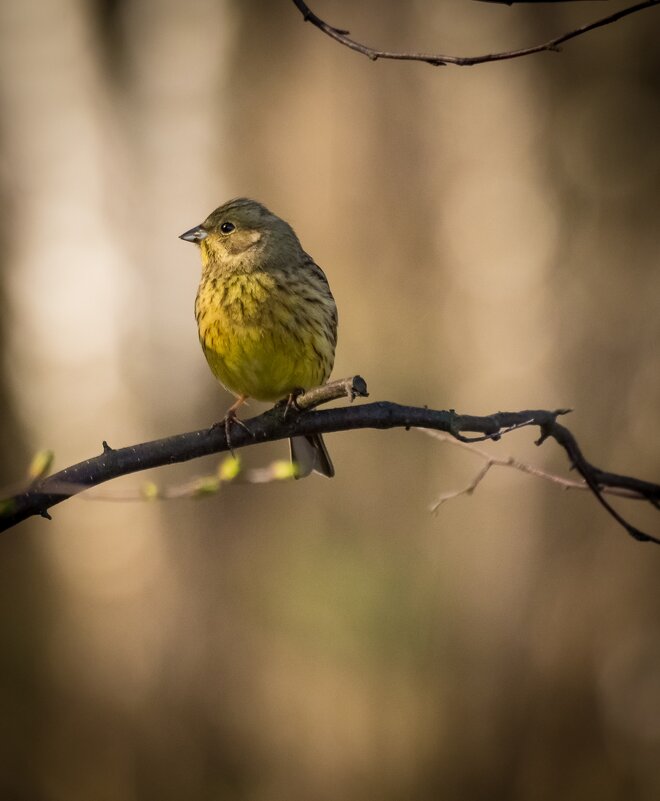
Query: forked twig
[{"x": 512, "y": 462}]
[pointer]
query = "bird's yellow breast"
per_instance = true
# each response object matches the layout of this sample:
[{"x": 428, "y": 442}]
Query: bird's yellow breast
[{"x": 260, "y": 335}]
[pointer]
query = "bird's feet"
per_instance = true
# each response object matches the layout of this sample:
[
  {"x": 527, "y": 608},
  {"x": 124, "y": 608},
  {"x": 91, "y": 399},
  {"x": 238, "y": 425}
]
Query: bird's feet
[
  {"x": 290, "y": 403},
  {"x": 232, "y": 417}
]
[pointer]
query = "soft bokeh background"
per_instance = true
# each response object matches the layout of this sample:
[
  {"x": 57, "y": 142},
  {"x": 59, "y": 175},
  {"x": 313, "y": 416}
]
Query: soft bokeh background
[{"x": 491, "y": 237}]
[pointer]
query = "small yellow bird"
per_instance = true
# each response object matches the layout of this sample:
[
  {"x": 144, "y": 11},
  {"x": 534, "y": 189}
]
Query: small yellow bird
[{"x": 266, "y": 317}]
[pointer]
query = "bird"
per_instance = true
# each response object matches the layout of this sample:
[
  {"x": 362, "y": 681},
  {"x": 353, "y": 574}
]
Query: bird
[{"x": 266, "y": 318}]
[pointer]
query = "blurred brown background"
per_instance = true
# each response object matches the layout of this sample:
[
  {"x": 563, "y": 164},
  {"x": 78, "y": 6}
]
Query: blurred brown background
[{"x": 491, "y": 238}]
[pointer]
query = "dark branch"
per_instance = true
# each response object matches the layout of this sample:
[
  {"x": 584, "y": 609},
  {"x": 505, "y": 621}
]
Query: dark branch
[
  {"x": 437, "y": 60},
  {"x": 280, "y": 423}
]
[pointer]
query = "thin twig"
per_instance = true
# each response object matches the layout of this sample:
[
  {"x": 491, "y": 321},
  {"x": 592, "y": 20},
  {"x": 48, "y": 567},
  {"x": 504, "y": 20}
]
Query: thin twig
[
  {"x": 230, "y": 471},
  {"x": 437, "y": 60},
  {"x": 512, "y": 462}
]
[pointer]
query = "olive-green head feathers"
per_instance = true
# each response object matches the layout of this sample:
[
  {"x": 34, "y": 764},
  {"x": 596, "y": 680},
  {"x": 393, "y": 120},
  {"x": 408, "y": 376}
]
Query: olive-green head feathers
[{"x": 241, "y": 227}]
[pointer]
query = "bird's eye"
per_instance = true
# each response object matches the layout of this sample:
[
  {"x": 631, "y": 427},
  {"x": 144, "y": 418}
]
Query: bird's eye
[{"x": 227, "y": 227}]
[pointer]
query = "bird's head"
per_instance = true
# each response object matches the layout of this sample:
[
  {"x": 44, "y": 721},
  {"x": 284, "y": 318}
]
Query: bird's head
[{"x": 240, "y": 231}]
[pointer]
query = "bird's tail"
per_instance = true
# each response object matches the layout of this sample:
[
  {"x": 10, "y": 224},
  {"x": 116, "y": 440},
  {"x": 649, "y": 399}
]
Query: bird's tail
[{"x": 309, "y": 454}]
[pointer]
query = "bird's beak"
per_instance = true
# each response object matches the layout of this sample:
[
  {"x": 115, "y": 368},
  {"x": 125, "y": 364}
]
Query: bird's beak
[{"x": 195, "y": 234}]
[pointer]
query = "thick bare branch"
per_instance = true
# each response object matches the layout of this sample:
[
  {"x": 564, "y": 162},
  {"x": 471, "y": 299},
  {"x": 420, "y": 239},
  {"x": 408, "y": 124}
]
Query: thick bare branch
[
  {"x": 282, "y": 422},
  {"x": 437, "y": 60}
]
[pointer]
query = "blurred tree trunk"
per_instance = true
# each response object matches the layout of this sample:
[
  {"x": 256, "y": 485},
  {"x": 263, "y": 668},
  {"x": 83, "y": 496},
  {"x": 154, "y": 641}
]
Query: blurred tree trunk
[{"x": 21, "y": 608}]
